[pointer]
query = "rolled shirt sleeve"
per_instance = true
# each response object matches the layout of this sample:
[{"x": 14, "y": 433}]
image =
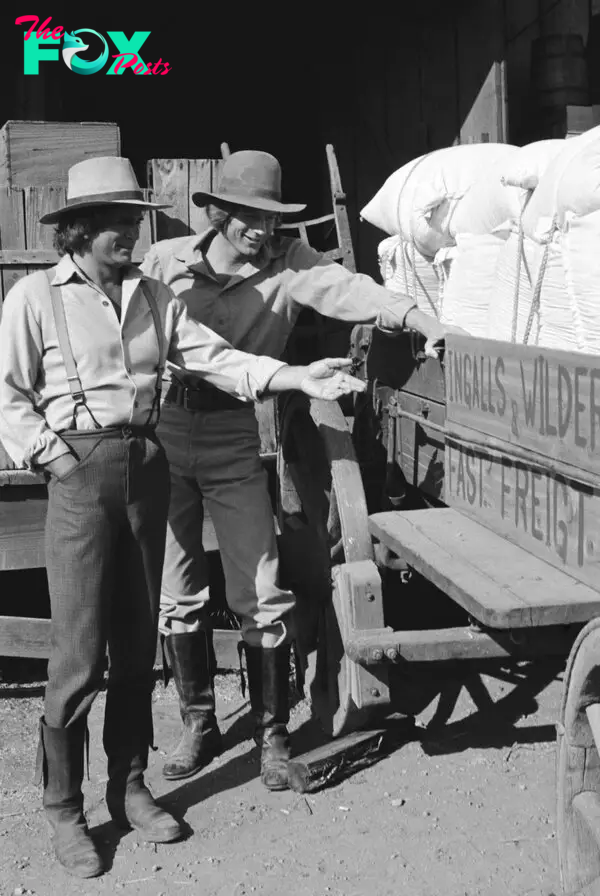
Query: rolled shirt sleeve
[
  {"x": 23, "y": 430},
  {"x": 195, "y": 347},
  {"x": 334, "y": 291}
]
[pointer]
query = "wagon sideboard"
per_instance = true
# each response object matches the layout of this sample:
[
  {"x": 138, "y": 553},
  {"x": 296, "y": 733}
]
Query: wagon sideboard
[
  {"x": 508, "y": 435},
  {"x": 522, "y": 449}
]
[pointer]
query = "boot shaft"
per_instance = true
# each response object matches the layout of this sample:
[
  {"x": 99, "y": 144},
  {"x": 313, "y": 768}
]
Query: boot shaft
[
  {"x": 193, "y": 665},
  {"x": 128, "y": 731},
  {"x": 60, "y": 767},
  {"x": 268, "y": 683}
]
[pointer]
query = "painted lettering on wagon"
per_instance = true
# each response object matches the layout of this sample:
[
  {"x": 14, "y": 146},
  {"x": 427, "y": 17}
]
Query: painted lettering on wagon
[
  {"x": 507, "y": 398},
  {"x": 533, "y": 400},
  {"x": 529, "y": 504}
]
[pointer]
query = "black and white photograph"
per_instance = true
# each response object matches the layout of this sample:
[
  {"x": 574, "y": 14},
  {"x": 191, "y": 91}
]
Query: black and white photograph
[{"x": 300, "y": 450}]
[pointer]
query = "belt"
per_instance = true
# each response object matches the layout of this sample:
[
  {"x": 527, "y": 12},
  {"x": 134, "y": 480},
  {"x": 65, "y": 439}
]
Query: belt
[
  {"x": 126, "y": 431},
  {"x": 203, "y": 399}
]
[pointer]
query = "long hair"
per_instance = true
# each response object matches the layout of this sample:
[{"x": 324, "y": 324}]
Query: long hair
[{"x": 220, "y": 213}]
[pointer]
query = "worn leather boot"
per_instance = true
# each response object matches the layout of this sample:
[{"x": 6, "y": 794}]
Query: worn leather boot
[
  {"x": 127, "y": 738},
  {"x": 268, "y": 683},
  {"x": 61, "y": 761},
  {"x": 191, "y": 660}
]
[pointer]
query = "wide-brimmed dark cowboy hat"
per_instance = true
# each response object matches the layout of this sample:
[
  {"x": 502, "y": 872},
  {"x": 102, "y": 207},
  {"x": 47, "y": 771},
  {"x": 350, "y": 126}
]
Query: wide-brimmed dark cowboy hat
[
  {"x": 253, "y": 179},
  {"x": 105, "y": 180}
]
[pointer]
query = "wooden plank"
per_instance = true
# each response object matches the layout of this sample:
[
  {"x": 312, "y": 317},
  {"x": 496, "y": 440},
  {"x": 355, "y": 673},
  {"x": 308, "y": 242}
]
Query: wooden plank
[
  {"x": 28, "y": 637},
  {"x": 145, "y": 238},
  {"x": 499, "y": 583},
  {"x": 540, "y": 399},
  {"x": 38, "y": 202},
  {"x": 419, "y": 450},
  {"x": 22, "y": 521},
  {"x": 200, "y": 178},
  {"x": 329, "y": 762},
  {"x": 532, "y": 473},
  {"x": 37, "y": 153},
  {"x": 460, "y": 643},
  {"x": 12, "y": 232},
  {"x": 216, "y": 169},
  {"x": 545, "y": 514},
  {"x": 34, "y": 258},
  {"x": 169, "y": 181},
  {"x": 24, "y": 636},
  {"x": 20, "y": 477}
]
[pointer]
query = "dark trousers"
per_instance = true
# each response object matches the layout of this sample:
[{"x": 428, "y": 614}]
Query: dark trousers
[{"x": 105, "y": 537}]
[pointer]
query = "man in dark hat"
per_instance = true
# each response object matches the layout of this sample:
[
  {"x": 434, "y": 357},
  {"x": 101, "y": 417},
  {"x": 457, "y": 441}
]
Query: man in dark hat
[
  {"x": 248, "y": 287},
  {"x": 82, "y": 352}
]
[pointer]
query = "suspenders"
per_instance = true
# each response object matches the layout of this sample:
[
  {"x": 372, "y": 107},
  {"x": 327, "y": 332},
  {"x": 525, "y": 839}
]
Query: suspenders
[{"x": 64, "y": 342}]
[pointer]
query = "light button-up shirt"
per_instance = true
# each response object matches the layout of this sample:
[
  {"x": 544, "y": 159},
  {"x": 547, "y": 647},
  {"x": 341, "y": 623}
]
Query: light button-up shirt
[
  {"x": 116, "y": 359},
  {"x": 255, "y": 309}
]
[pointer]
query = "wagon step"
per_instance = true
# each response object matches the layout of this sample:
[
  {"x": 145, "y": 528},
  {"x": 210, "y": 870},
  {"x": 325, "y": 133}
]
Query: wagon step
[
  {"x": 499, "y": 583},
  {"x": 462, "y": 643}
]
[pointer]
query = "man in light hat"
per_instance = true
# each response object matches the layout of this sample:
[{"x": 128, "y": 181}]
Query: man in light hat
[
  {"x": 249, "y": 287},
  {"x": 82, "y": 352}
]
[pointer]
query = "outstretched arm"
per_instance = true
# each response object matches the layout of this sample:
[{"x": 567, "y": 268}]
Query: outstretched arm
[
  {"x": 335, "y": 292},
  {"x": 252, "y": 377}
]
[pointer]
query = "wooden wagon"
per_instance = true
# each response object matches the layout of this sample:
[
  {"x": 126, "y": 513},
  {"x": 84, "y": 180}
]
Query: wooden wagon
[{"x": 474, "y": 478}]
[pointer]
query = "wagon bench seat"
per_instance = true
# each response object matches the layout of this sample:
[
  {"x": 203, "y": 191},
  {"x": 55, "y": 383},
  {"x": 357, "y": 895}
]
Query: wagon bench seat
[{"x": 498, "y": 583}]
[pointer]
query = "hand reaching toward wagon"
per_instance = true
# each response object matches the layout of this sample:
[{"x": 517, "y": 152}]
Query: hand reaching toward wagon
[
  {"x": 326, "y": 379},
  {"x": 436, "y": 339}
]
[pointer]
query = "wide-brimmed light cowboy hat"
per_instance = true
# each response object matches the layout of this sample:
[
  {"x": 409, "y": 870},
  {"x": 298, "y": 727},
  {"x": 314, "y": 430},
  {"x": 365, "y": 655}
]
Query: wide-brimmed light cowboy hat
[
  {"x": 105, "y": 180},
  {"x": 253, "y": 179}
]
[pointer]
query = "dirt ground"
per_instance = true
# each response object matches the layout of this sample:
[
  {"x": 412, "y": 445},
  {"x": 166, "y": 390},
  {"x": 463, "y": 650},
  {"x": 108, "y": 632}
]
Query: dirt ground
[{"x": 463, "y": 805}]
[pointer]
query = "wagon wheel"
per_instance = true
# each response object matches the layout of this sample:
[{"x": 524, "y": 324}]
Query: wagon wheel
[
  {"x": 578, "y": 768},
  {"x": 324, "y": 522}
]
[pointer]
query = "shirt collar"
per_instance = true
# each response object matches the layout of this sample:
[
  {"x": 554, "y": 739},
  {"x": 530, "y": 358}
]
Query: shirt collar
[
  {"x": 190, "y": 253},
  {"x": 67, "y": 269}
]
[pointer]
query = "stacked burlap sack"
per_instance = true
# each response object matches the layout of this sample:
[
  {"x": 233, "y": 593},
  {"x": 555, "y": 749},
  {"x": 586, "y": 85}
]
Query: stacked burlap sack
[{"x": 500, "y": 240}]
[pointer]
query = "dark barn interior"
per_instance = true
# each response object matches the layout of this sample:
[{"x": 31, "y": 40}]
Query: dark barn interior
[{"x": 382, "y": 86}]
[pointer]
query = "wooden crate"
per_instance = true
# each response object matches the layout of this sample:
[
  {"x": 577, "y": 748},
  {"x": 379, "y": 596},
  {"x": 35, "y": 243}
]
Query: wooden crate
[{"x": 38, "y": 153}]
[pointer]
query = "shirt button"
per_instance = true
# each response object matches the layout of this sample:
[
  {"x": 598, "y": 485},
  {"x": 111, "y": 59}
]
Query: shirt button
[{"x": 106, "y": 303}]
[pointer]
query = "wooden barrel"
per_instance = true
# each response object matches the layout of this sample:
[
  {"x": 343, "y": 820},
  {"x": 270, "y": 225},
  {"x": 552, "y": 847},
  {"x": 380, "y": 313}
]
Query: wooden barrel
[{"x": 559, "y": 70}]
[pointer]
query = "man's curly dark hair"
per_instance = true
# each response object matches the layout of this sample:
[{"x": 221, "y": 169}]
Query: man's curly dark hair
[{"x": 76, "y": 229}]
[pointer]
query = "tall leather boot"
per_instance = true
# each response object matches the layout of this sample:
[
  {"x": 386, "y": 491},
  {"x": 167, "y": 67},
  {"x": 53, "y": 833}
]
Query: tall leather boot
[
  {"x": 127, "y": 738},
  {"x": 268, "y": 683},
  {"x": 61, "y": 761},
  {"x": 191, "y": 659}
]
